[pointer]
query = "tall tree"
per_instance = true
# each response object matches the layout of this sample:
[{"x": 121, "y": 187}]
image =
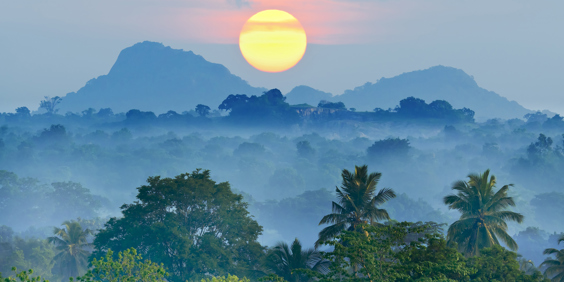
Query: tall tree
[
  {"x": 554, "y": 266},
  {"x": 189, "y": 223},
  {"x": 483, "y": 216},
  {"x": 283, "y": 260},
  {"x": 72, "y": 246},
  {"x": 50, "y": 103},
  {"x": 357, "y": 203}
]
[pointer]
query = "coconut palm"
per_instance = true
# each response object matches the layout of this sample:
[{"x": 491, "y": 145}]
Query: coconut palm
[
  {"x": 72, "y": 247},
  {"x": 283, "y": 260},
  {"x": 554, "y": 267},
  {"x": 483, "y": 214},
  {"x": 357, "y": 203}
]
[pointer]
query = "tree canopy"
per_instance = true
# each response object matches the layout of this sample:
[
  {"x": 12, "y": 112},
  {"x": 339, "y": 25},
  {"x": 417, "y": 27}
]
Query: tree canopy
[{"x": 190, "y": 224}]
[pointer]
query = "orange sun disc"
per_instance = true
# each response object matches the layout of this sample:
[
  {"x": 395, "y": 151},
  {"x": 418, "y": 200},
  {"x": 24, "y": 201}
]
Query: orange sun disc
[{"x": 272, "y": 41}]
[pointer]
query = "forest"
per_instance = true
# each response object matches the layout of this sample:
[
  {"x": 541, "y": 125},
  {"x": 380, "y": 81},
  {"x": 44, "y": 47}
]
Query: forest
[{"x": 256, "y": 189}]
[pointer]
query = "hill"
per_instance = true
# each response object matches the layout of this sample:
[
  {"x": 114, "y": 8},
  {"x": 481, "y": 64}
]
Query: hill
[
  {"x": 436, "y": 83},
  {"x": 305, "y": 94},
  {"x": 151, "y": 77}
]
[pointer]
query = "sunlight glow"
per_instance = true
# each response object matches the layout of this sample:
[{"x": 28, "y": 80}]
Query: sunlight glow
[{"x": 273, "y": 41}]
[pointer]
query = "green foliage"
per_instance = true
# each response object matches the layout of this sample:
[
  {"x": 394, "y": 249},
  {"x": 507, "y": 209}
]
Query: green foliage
[
  {"x": 128, "y": 267},
  {"x": 382, "y": 253},
  {"x": 414, "y": 252},
  {"x": 229, "y": 278},
  {"x": 357, "y": 203},
  {"x": 23, "y": 276},
  {"x": 25, "y": 253},
  {"x": 271, "y": 278},
  {"x": 190, "y": 224},
  {"x": 483, "y": 214},
  {"x": 283, "y": 260},
  {"x": 496, "y": 264},
  {"x": 554, "y": 265},
  {"x": 432, "y": 261}
]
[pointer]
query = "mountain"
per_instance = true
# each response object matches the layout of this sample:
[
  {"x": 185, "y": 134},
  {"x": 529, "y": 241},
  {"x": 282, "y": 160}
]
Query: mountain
[
  {"x": 436, "y": 83},
  {"x": 151, "y": 77},
  {"x": 305, "y": 94}
]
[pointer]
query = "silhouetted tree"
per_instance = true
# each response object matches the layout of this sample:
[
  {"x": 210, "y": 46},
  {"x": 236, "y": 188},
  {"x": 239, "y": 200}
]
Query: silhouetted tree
[
  {"x": 330, "y": 105},
  {"x": 269, "y": 109},
  {"x": 23, "y": 112},
  {"x": 389, "y": 148},
  {"x": 202, "y": 110},
  {"x": 49, "y": 104}
]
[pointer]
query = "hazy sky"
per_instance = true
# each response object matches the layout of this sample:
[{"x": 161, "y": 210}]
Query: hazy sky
[{"x": 512, "y": 47}]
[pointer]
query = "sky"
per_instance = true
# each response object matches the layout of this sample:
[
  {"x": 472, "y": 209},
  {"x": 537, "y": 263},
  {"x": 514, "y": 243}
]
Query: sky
[{"x": 512, "y": 47}]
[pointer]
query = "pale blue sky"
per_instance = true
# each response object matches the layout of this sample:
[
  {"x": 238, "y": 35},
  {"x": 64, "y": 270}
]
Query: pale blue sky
[{"x": 512, "y": 47}]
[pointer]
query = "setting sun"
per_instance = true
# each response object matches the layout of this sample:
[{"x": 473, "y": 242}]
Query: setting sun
[{"x": 273, "y": 41}]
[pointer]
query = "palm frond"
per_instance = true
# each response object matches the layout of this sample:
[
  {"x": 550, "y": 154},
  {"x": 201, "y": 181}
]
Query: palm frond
[
  {"x": 330, "y": 232},
  {"x": 383, "y": 196}
]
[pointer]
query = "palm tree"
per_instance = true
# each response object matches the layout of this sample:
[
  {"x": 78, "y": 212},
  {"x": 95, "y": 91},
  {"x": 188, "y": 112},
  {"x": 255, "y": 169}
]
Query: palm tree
[
  {"x": 71, "y": 244},
  {"x": 283, "y": 259},
  {"x": 357, "y": 204},
  {"x": 482, "y": 222},
  {"x": 555, "y": 267}
]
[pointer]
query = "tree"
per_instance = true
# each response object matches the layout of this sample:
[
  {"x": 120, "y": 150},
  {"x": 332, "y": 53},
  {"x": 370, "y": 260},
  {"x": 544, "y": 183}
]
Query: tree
[
  {"x": 387, "y": 149},
  {"x": 71, "y": 244},
  {"x": 129, "y": 267},
  {"x": 554, "y": 266},
  {"x": 383, "y": 253},
  {"x": 49, "y": 104},
  {"x": 189, "y": 223},
  {"x": 283, "y": 260},
  {"x": 202, "y": 110},
  {"x": 23, "y": 276},
  {"x": 498, "y": 264},
  {"x": 269, "y": 109},
  {"x": 357, "y": 203},
  {"x": 23, "y": 112},
  {"x": 71, "y": 200},
  {"x": 483, "y": 214},
  {"x": 228, "y": 278},
  {"x": 305, "y": 150},
  {"x": 329, "y": 105}
]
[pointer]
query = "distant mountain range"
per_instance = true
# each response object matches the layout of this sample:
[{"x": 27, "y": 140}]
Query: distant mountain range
[
  {"x": 151, "y": 77},
  {"x": 436, "y": 83}
]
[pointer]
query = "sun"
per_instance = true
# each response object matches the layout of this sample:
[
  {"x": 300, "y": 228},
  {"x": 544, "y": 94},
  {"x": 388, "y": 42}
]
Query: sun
[{"x": 272, "y": 41}]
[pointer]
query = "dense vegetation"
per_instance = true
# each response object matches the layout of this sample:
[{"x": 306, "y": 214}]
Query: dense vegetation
[{"x": 255, "y": 213}]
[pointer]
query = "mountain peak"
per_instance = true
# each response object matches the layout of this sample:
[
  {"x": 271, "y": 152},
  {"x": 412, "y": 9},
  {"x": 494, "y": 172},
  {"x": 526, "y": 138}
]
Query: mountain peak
[
  {"x": 152, "y": 77},
  {"x": 435, "y": 83}
]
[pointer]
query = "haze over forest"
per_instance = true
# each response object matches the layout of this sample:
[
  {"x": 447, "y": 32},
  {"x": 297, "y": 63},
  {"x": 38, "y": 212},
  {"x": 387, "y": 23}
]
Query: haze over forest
[{"x": 164, "y": 112}]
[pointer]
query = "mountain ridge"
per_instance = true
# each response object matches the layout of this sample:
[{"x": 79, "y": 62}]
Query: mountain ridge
[
  {"x": 435, "y": 83},
  {"x": 149, "y": 76}
]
